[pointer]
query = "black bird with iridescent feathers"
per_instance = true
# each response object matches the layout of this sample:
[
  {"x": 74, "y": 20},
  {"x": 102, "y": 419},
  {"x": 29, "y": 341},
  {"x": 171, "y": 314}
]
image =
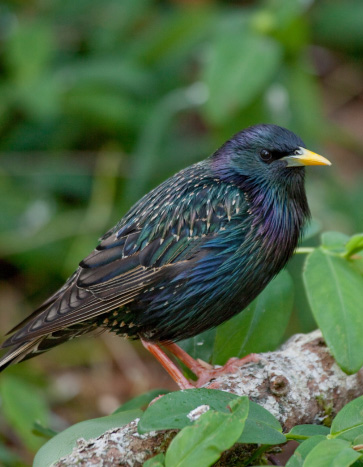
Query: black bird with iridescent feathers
[{"x": 189, "y": 255}]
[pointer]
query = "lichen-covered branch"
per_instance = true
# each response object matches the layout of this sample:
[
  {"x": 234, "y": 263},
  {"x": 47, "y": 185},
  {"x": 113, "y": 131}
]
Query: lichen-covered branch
[{"x": 300, "y": 383}]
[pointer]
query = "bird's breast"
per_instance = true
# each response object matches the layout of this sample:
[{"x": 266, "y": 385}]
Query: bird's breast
[{"x": 229, "y": 270}]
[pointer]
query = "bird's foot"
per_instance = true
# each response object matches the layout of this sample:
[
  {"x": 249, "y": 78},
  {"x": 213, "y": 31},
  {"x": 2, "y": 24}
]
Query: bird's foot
[
  {"x": 231, "y": 366},
  {"x": 203, "y": 370}
]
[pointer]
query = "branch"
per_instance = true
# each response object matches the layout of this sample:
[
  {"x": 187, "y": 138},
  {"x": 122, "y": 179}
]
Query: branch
[{"x": 300, "y": 383}]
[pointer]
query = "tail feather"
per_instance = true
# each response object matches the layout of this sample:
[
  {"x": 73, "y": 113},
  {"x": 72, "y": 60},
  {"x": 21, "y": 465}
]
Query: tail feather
[
  {"x": 34, "y": 347},
  {"x": 44, "y": 305},
  {"x": 19, "y": 353}
]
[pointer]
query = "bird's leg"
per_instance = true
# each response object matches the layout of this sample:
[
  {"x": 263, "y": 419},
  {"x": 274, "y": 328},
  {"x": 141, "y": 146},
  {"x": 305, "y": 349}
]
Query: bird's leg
[
  {"x": 196, "y": 366},
  {"x": 169, "y": 366},
  {"x": 204, "y": 370}
]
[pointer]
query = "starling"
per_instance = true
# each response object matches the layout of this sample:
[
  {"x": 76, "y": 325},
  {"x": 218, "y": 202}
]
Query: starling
[{"x": 188, "y": 256}]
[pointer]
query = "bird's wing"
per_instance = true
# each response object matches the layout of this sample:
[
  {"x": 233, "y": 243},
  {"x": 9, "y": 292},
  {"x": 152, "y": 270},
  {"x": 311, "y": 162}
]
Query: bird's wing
[{"x": 159, "y": 236}]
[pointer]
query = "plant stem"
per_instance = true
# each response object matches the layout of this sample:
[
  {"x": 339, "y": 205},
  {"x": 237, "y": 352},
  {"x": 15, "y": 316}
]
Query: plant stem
[
  {"x": 258, "y": 453},
  {"x": 304, "y": 250},
  {"x": 296, "y": 437}
]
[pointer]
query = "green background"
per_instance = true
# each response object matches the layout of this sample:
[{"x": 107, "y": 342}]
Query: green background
[{"x": 102, "y": 100}]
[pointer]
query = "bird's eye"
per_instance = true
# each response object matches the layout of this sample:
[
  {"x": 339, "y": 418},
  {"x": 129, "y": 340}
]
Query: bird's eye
[
  {"x": 297, "y": 152},
  {"x": 265, "y": 155}
]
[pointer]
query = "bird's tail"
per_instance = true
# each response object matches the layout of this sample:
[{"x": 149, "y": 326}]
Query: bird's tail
[
  {"x": 33, "y": 347},
  {"x": 20, "y": 352}
]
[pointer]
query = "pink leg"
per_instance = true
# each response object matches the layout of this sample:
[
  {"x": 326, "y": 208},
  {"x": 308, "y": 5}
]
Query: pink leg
[
  {"x": 197, "y": 366},
  {"x": 169, "y": 366},
  {"x": 203, "y": 370}
]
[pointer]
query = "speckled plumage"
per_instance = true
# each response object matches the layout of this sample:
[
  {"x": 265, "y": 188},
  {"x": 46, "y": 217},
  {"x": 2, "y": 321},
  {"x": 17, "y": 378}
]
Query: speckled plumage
[{"x": 190, "y": 254}]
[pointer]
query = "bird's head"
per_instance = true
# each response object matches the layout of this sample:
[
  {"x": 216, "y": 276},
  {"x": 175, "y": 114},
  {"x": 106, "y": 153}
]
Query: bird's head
[{"x": 264, "y": 153}]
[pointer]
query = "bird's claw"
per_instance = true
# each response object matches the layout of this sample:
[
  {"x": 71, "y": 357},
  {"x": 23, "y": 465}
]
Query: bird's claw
[{"x": 207, "y": 372}]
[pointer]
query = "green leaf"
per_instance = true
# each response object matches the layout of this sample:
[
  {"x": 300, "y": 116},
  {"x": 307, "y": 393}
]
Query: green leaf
[
  {"x": 156, "y": 461},
  {"x": 32, "y": 38},
  {"x": 111, "y": 71},
  {"x": 254, "y": 329},
  {"x": 348, "y": 424},
  {"x": 334, "y": 241},
  {"x": 261, "y": 427},
  {"x": 312, "y": 229},
  {"x": 332, "y": 453},
  {"x": 200, "y": 346},
  {"x": 335, "y": 293},
  {"x": 22, "y": 405},
  {"x": 102, "y": 107},
  {"x": 308, "y": 431},
  {"x": 304, "y": 98},
  {"x": 297, "y": 459},
  {"x": 172, "y": 37},
  {"x": 141, "y": 401},
  {"x": 354, "y": 245},
  {"x": 63, "y": 443},
  {"x": 9, "y": 459},
  {"x": 241, "y": 64},
  {"x": 337, "y": 25},
  {"x": 172, "y": 410},
  {"x": 202, "y": 444},
  {"x": 44, "y": 432}
]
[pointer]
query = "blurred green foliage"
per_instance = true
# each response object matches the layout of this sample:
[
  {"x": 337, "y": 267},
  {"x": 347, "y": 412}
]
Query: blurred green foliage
[{"x": 101, "y": 100}]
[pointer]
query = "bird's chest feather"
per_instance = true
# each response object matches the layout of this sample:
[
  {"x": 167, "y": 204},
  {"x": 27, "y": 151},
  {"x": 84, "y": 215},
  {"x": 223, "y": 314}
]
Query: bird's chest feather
[
  {"x": 254, "y": 253},
  {"x": 234, "y": 267}
]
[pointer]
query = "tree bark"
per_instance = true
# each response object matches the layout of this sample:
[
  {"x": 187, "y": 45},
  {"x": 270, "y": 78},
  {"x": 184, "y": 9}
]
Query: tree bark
[{"x": 300, "y": 383}]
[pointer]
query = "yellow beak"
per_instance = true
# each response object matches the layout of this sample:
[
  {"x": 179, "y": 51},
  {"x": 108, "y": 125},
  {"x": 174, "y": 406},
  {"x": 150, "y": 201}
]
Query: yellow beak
[{"x": 305, "y": 157}]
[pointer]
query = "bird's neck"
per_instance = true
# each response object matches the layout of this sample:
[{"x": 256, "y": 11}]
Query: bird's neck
[{"x": 278, "y": 213}]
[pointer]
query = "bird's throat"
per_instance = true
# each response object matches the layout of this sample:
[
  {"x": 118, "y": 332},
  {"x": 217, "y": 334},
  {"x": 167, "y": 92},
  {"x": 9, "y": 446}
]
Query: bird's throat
[{"x": 278, "y": 216}]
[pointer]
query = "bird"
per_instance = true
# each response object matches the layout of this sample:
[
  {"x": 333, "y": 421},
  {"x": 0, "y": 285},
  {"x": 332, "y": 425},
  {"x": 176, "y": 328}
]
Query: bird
[{"x": 189, "y": 255}]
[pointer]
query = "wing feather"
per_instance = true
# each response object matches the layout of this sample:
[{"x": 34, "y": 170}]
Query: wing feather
[{"x": 160, "y": 235}]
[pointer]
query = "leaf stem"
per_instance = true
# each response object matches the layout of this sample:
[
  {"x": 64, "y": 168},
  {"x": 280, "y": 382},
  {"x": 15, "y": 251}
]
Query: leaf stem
[
  {"x": 296, "y": 437},
  {"x": 258, "y": 453},
  {"x": 304, "y": 250}
]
